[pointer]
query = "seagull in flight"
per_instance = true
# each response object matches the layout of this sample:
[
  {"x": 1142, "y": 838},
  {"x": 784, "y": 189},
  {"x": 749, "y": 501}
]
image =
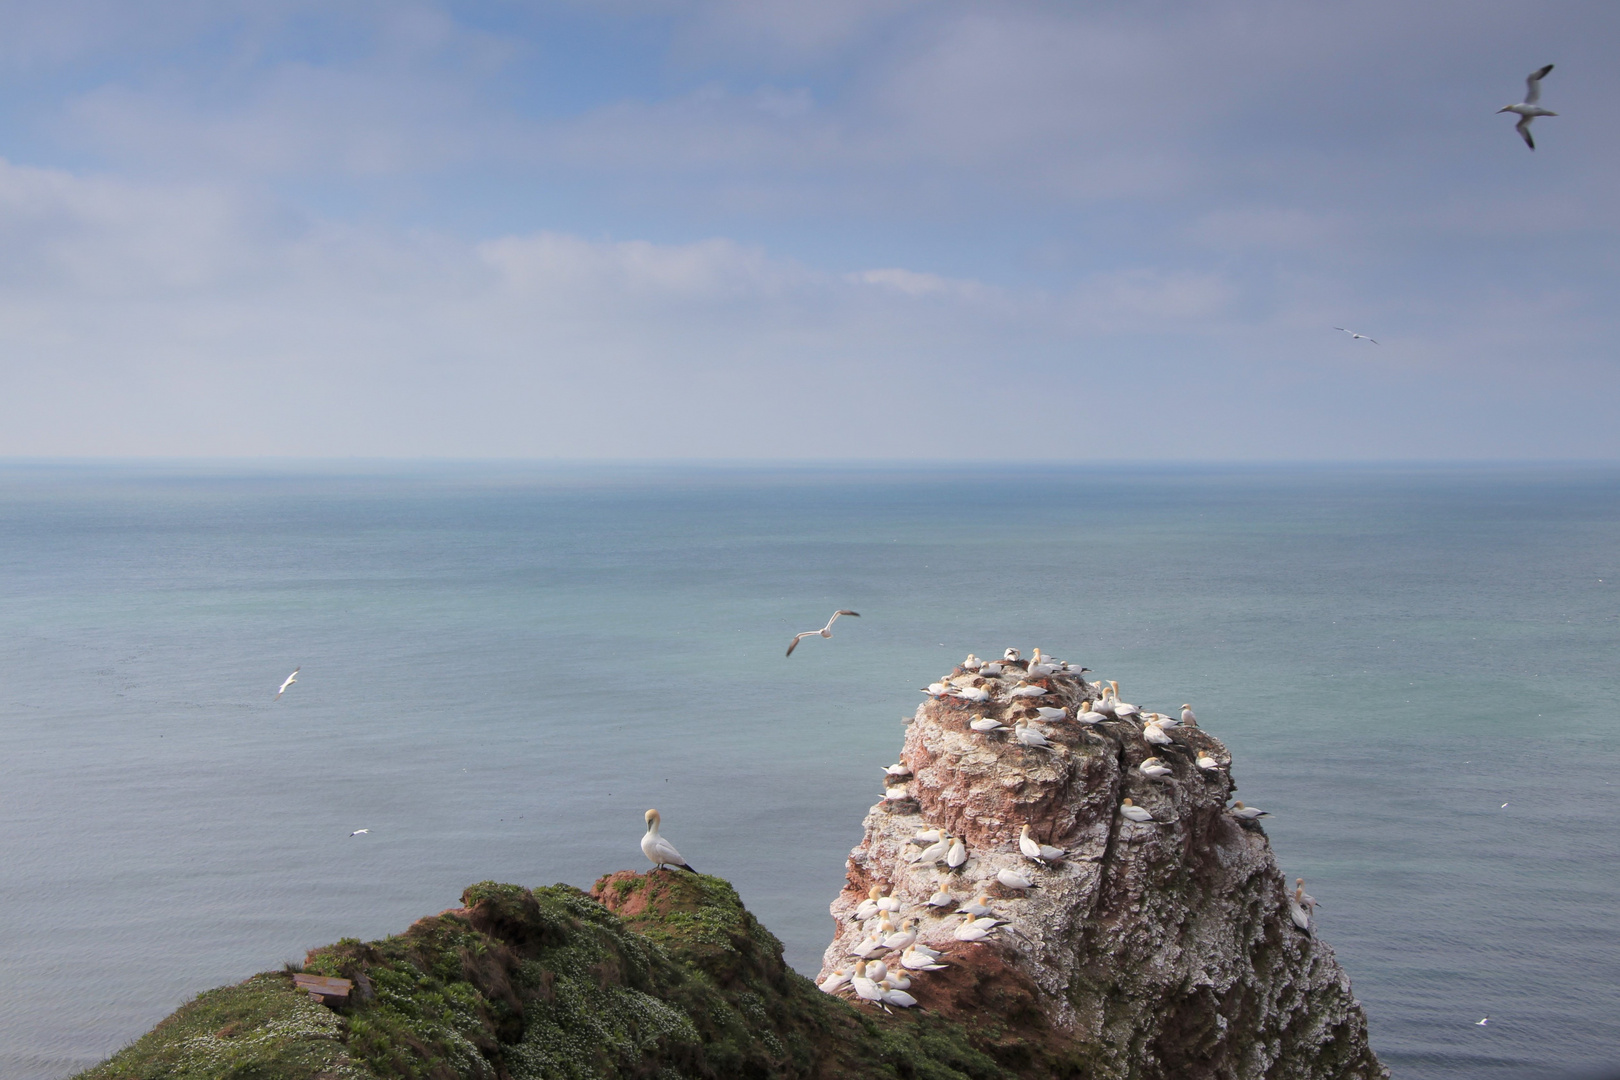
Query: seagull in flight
[
  {"x": 290, "y": 680},
  {"x": 360, "y": 832},
  {"x": 825, "y": 631},
  {"x": 1527, "y": 109},
  {"x": 1355, "y": 336}
]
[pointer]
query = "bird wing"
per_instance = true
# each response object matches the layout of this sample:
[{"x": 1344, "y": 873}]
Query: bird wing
[
  {"x": 1373, "y": 340},
  {"x": 1532, "y": 85},
  {"x": 667, "y": 853},
  {"x": 1523, "y": 128},
  {"x": 801, "y": 637}
]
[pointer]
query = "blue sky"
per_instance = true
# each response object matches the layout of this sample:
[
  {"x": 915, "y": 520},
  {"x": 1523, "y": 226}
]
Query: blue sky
[{"x": 893, "y": 229}]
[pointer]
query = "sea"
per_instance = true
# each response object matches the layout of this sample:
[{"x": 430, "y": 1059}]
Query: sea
[{"x": 502, "y": 666}]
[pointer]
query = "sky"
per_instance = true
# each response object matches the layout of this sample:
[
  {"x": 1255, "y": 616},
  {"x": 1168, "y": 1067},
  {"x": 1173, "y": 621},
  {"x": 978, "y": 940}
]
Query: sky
[{"x": 763, "y": 229}]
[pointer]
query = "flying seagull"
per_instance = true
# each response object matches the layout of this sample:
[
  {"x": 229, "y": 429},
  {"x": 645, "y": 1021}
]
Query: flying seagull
[
  {"x": 825, "y": 631},
  {"x": 1527, "y": 109},
  {"x": 360, "y": 832},
  {"x": 290, "y": 680},
  {"x": 1355, "y": 336}
]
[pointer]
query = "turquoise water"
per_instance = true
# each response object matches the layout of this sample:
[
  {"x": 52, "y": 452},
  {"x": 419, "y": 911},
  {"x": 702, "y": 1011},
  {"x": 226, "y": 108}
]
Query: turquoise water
[{"x": 502, "y": 668}]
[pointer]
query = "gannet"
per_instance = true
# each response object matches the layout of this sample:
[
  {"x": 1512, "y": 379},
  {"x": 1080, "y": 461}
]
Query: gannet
[
  {"x": 1038, "y": 668},
  {"x": 896, "y": 793},
  {"x": 1187, "y": 716},
  {"x": 825, "y": 631},
  {"x": 1207, "y": 763},
  {"x": 992, "y": 670},
  {"x": 1087, "y": 715},
  {"x": 958, "y": 853},
  {"x": 899, "y": 768},
  {"x": 941, "y": 898},
  {"x": 360, "y": 832},
  {"x": 290, "y": 680},
  {"x": 898, "y": 998},
  {"x": 984, "y": 725},
  {"x": 1014, "y": 880},
  {"x": 1134, "y": 812},
  {"x": 926, "y": 836},
  {"x": 867, "y": 948},
  {"x": 865, "y": 988},
  {"x": 1247, "y": 813},
  {"x": 970, "y": 931},
  {"x": 1046, "y": 712},
  {"x": 1033, "y": 849},
  {"x": 1155, "y": 734},
  {"x": 1164, "y": 721},
  {"x": 897, "y": 980},
  {"x": 932, "y": 954},
  {"x": 1304, "y": 897},
  {"x": 1028, "y": 691},
  {"x": 660, "y": 851},
  {"x": 868, "y": 907},
  {"x": 1154, "y": 768},
  {"x": 1029, "y": 736},
  {"x": 979, "y": 908},
  {"x": 836, "y": 981},
  {"x": 1482, "y": 1023},
  {"x": 1297, "y": 912},
  {"x": 1012, "y": 654},
  {"x": 1527, "y": 109},
  {"x": 888, "y": 903},
  {"x": 976, "y": 694},
  {"x": 876, "y": 970},
  {"x": 937, "y": 850},
  {"x": 972, "y": 663},
  {"x": 918, "y": 961},
  {"x": 902, "y": 938},
  {"x": 1361, "y": 337},
  {"x": 937, "y": 689}
]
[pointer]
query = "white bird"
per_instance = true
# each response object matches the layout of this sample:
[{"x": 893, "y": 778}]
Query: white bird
[
  {"x": 899, "y": 768},
  {"x": 970, "y": 931},
  {"x": 972, "y": 663},
  {"x": 1188, "y": 717},
  {"x": 1247, "y": 813},
  {"x": 866, "y": 988},
  {"x": 1029, "y": 691},
  {"x": 836, "y": 981},
  {"x": 825, "y": 631},
  {"x": 976, "y": 694},
  {"x": 913, "y": 960},
  {"x": 1134, "y": 812},
  {"x": 902, "y": 938},
  {"x": 937, "y": 850},
  {"x": 1297, "y": 912},
  {"x": 360, "y": 832},
  {"x": 1027, "y": 844},
  {"x": 1207, "y": 763},
  {"x": 1305, "y": 898},
  {"x": 1012, "y": 654},
  {"x": 1014, "y": 880},
  {"x": 1046, "y": 712},
  {"x": 937, "y": 689},
  {"x": 896, "y": 793},
  {"x": 876, "y": 970},
  {"x": 932, "y": 954},
  {"x": 888, "y": 903},
  {"x": 979, "y": 908},
  {"x": 899, "y": 998},
  {"x": 992, "y": 670},
  {"x": 868, "y": 948},
  {"x": 1087, "y": 715},
  {"x": 1355, "y": 336},
  {"x": 984, "y": 725},
  {"x": 1155, "y": 734},
  {"x": 1039, "y": 666},
  {"x": 958, "y": 853},
  {"x": 1527, "y": 109},
  {"x": 926, "y": 836},
  {"x": 1154, "y": 769},
  {"x": 660, "y": 851},
  {"x": 1029, "y": 736},
  {"x": 941, "y": 898},
  {"x": 290, "y": 680},
  {"x": 897, "y": 980},
  {"x": 1483, "y": 1022},
  {"x": 1164, "y": 721},
  {"x": 868, "y": 907}
]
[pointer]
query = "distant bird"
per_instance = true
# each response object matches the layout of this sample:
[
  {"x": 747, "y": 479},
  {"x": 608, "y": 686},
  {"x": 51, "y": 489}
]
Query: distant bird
[
  {"x": 913, "y": 960},
  {"x": 660, "y": 851},
  {"x": 1247, "y": 813},
  {"x": 1154, "y": 769},
  {"x": 1486, "y": 1020},
  {"x": 1355, "y": 336},
  {"x": 899, "y": 768},
  {"x": 1527, "y": 109},
  {"x": 1134, "y": 812},
  {"x": 1046, "y": 712},
  {"x": 1188, "y": 717},
  {"x": 976, "y": 694},
  {"x": 958, "y": 853},
  {"x": 1030, "y": 736},
  {"x": 1014, "y": 880},
  {"x": 825, "y": 631},
  {"x": 1207, "y": 763},
  {"x": 290, "y": 680},
  {"x": 980, "y": 907},
  {"x": 1029, "y": 691},
  {"x": 360, "y": 832},
  {"x": 836, "y": 981},
  {"x": 984, "y": 725}
]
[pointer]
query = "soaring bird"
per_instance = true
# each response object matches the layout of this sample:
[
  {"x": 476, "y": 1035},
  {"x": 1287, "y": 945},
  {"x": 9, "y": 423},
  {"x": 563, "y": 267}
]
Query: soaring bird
[
  {"x": 660, "y": 851},
  {"x": 1354, "y": 337},
  {"x": 1527, "y": 109},
  {"x": 825, "y": 631},
  {"x": 290, "y": 680}
]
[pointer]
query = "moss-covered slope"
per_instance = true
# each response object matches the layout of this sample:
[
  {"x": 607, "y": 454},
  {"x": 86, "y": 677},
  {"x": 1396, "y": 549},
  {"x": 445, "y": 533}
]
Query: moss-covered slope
[{"x": 551, "y": 983}]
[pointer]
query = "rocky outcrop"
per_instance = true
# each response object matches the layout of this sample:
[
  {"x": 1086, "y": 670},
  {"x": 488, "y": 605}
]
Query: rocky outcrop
[{"x": 1162, "y": 948}]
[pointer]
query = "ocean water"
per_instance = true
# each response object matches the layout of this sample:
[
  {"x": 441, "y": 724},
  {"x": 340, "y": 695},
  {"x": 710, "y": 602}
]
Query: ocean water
[{"x": 502, "y": 668}]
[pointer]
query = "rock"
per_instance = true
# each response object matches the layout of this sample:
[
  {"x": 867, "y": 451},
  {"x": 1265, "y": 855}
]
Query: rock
[{"x": 1160, "y": 948}]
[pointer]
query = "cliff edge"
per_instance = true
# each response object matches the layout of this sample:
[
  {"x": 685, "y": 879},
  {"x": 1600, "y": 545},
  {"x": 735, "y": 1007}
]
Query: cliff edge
[{"x": 1163, "y": 947}]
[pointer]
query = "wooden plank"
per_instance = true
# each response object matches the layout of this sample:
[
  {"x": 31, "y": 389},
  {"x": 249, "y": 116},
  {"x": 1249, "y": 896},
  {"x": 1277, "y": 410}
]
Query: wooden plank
[{"x": 322, "y": 985}]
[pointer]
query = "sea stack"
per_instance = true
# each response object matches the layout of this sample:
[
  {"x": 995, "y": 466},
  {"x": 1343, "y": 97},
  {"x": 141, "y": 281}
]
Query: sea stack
[{"x": 1159, "y": 948}]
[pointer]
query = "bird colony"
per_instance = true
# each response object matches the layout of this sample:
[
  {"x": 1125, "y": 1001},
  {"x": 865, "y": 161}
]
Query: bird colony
[{"x": 1029, "y": 810}]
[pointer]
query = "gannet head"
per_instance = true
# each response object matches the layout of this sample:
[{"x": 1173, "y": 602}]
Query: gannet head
[
  {"x": 1238, "y": 805},
  {"x": 1503, "y": 109},
  {"x": 1300, "y": 882},
  {"x": 875, "y": 892},
  {"x": 1129, "y": 803},
  {"x": 652, "y": 817}
]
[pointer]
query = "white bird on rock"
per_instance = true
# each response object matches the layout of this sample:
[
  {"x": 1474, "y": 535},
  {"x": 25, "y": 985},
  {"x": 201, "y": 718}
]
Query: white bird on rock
[
  {"x": 1247, "y": 813},
  {"x": 1039, "y": 667},
  {"x": 972, "y": 663},
  {"x": 1029, "y": 735},
  {"x": 1304, "y": 897},
  {"x": 979, "y": 908},
  {"x": 902, "y": 938},
  {"x": 957, "y": 855},
  {"x": 836, "y": 981},
  {"x": 888, "y": 903},
  {"x": 1528, "y": 109},
  {"x": 825, "y": 631},
  {"x": 1046, "y": 712},
  {"x": 937, "y": 850},
  {"x": 660, "y": 851},
  {"x": 984, "y": 725},
  {"x": 913, "y": 960},
  {"x": 1014, "y": 880},
  {"x": 866, "y": 988},
  {"x": 868, "y": 907},
  {"x": 1154, "y": 769},
  {"x": 1033, "y": 849},
  {"x": 1012, "y": 654},
  {"x": 942, "y": 898},
  {"x": 1134, "y": 812},
  {"x": 976, "y": 694},
  {"x": 877, "y": 970},
  {"x": 898, "y": 998},
  {"x": 1187, "y": 716},
  {"x": 1028, "y": 692},
  {"x": 937, "y": 689},
  {"x": 925, "y": 837},
  {"x": 1085, "y": 714},
  {"x": 899, "y": 768},
  {"x": 1207, "y": 763},
  {"x": 1156, "y": 735},
  {"x": 992, "y": 670},
  {"x": 970, "y": 931}
]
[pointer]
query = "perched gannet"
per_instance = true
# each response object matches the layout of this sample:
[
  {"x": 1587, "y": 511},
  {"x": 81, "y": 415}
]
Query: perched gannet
[
  {"x": 888, "y": 903},
  {"x": 1028, "y": 691},
  {"x": 1187, "y": 716},
  {"x": 972, "y": 663},
  {"x": 980, "y": 906},
  {"x": 1085, "y": 714},
  {"x": 836, "y": 981},
  {"x": 937, "y": 689},
  {"x": 1033, "y": 849},
  {"x": 868, "y": 948},
  {"x": 1039, "y": 668},
  {"x": 896, "y": 793},
  {"x": 1155, "y": 734},
  {"x": 991, "y": 670},
  {"x": 876, "y": 970},
  {"x": 866, "y": 988},
  {"x": 937, "y": 850},
  {"x": 1207, "y": 763},
  {"x": 903, "y": 937},
  {"x": 1163, "y": 721},
  {"x": 984, "y": 725},
  {"x": 290, "y": 680},
  {"x": 1027, "y": 734},
  {"x": 868, "y": 907},
  {"x": 926, "y": 836},
  {"x": 1154, "y": 768},
  {"x": 958, "y": 853},
  {"x": 1297, "y": 912},
  {"x": 913, "y": 960},
  {"x": 941, "y": 898},
  {"x": 1527, "y": 109},
  {"x": 899, "y": 768},
  {"x": 970, "y": 931},
  {"x": 825, "y": 631},
  {"x": 1014, "y": 880},
  {"x": 897, "y": 980},
  {"x": 976, "y": 694},
  {"x": 932, "y": 954},
  {"x": 1046, "y": 712},
  {"x": 1304, "y": 897},
  {"x": 1247, "y": 813},
  {"x": 898, "y": 998},
  {"x": 1134, "y": 812},
  {"x": 1012, "y": 654},
  {"x": 660, "y": 851}
]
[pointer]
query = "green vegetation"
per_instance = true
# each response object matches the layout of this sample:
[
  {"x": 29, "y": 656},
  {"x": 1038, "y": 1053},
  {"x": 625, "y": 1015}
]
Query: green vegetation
[{"x": 522, "y": 985}]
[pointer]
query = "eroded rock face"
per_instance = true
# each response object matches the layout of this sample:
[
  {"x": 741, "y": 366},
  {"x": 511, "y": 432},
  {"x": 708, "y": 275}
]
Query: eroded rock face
[{"x": 1160, "y": 948}]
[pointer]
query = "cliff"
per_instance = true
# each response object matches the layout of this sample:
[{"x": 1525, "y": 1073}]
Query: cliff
[{"x": 1157, "y": 948}]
